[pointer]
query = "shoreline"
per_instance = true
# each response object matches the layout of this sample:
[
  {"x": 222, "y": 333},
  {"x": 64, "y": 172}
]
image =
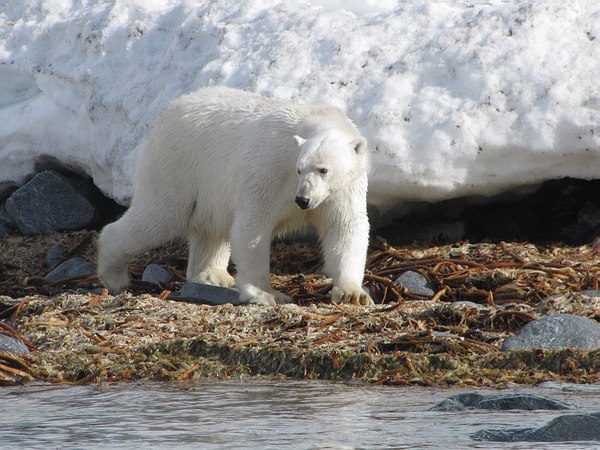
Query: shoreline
[{"x": 484, "y": 293}]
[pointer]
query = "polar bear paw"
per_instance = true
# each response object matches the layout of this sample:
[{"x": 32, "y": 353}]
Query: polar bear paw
[
  {"x": 255, "y": 296},
  {"x": 351, "y": 296},
  {"x": 114, "y": 279},
  {"x": 214, "y": 277}
]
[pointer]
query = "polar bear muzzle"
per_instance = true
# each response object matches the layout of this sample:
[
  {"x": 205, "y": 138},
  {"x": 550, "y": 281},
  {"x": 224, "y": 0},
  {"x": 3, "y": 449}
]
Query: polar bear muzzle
[{"x": 302, "y": 202}]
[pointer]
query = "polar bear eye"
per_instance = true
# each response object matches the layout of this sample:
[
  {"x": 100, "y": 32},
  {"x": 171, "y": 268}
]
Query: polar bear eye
[{"x": 323, "y": 171}]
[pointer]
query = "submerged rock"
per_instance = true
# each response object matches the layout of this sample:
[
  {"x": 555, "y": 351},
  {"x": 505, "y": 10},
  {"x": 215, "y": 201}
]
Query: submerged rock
[
  {"x": 568, "y": 428},
  {"x": 556, "y": 331},
  {"x": 70, "y": 268},
  {"x": 49, "y": 203},
  {"x": 211, "y": 295},
  {"x": 500, "y": 402},
  {"x": 10, "y": 344}
]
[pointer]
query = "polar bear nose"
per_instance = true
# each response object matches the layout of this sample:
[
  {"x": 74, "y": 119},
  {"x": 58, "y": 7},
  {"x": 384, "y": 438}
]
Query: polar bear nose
[{"x": 302, "y": 202}]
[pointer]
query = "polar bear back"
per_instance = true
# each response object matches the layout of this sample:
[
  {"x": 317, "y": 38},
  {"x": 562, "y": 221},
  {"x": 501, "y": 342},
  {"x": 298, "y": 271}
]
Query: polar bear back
[{"x": 215, "y": 143}]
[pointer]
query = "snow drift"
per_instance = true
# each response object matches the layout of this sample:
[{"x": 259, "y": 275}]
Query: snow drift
[{"x": 456, "y": 98}]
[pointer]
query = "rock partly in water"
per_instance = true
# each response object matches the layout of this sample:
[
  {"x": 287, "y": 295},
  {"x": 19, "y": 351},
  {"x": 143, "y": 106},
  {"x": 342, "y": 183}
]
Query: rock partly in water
[
  {"x": 49, "y": 203},
  {"x": 500, "y": 402},
  {"x": 556, "y": 331},
  {"x": 415, "y": 283},
  {"x": 154, "y": 273},
  {"x": 567, "y": 428},
  {"x": 56, "y": 254},
  {"x": 9, "y": 344},
  {"x": 211, "y": 295},
  {"x": 70, "y": 268}
]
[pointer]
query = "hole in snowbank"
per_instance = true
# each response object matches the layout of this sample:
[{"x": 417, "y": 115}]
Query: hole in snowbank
[{"x": 565, "y": 210}]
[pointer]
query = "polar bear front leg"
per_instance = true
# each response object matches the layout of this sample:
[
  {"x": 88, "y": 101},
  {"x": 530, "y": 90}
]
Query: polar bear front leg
[
  {"x": 208, "y": 261},
  {"x": 250, "y": 250},
  {"x": 345, "y": 240}
]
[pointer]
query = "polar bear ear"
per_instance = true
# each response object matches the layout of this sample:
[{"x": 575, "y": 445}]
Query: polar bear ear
[
  {"x": 359, "y": 145},
  {"x": 299, "y": 140}
]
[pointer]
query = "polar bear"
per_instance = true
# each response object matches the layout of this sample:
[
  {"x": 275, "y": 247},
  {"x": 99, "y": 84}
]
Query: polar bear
[{"x": 229, "y": 170}]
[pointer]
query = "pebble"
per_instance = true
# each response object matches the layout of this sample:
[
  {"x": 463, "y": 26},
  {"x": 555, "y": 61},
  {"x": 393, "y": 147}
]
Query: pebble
[
  {"x": 567, "y": 428},
  {"x": 212, "y": 295},
  {"x": 415, "y": 282},
  {"x": 49, "y": 203},
  {"x": 70, "y": 268},
  {"x": 154, "y": 273},
  {"x": 56, "y": 254},
  {"x": 10, "y": 344},
  {"x": 499, "y": 402},
  {"x": 556, "y": 331}
]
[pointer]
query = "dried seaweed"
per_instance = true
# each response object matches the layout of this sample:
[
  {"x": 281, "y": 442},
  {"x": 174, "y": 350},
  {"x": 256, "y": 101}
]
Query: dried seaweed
[{"x": 406, "y": 338}]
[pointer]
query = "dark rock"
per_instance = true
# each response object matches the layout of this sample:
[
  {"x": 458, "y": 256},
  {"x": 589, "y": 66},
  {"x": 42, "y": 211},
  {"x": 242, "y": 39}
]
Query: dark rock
[
  {"x": 70, "y": 268},
  {"x": 589, "y": 216},
  {"x": 212, "y": 295},
  {"x": 6, "y": 219},
  {"x": 56, "y": 254},
  {"x": 153, "y": 273},
  {"x": 415, "y": 282},
  {"x": 556, "y": 331},
  {"x": 567, "y": 428},
  {"x": 4, "y": 231},
  {"x": 499, "y": 402},
  {"x": 409, "y": 229},
  {"x": 10, "y": 344},
  {"x": 49, "y": 203}
]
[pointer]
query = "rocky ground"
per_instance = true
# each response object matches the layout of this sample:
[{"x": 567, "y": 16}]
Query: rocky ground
[
  {"x": 449, "y": 329},
  {"x": 479, "y": 311}
]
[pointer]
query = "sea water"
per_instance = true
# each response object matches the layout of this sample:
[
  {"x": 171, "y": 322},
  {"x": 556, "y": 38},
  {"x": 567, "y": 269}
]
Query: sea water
[{"x": 261, "y": 415}]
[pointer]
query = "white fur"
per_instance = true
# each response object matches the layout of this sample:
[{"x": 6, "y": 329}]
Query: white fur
[{"x": 223, "y": 167}]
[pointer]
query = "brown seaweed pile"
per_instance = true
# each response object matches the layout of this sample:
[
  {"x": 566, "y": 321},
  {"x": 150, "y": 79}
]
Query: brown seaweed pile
[{"x": 407, "y": 338}]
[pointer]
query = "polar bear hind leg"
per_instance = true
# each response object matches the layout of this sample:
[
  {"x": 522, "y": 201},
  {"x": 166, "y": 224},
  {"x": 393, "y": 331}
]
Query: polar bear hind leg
[{"x": 140, "y": 229}]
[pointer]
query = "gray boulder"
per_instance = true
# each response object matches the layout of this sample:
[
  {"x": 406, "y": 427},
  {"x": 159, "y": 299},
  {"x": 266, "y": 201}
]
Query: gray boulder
[
  {"x": 10, "y": 344},
  {"x": 556, "y": 331},
  {"x": 415, "y": 282},
  {"x": 499, "y": 402},
  {"x": 210, "y": 295},
  {"x": 70, "y": 268},
  {"x": 153, "y": 273},
  {"x": 49, "y": 203},
  {"x": 567, "y": 428}
]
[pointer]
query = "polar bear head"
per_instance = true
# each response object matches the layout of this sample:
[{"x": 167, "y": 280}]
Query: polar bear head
[{"x": 328, "y": 162}]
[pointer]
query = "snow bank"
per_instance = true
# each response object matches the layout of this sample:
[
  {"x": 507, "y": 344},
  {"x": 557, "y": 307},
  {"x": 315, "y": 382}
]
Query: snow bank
[{"x": 456, "y": 98}]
